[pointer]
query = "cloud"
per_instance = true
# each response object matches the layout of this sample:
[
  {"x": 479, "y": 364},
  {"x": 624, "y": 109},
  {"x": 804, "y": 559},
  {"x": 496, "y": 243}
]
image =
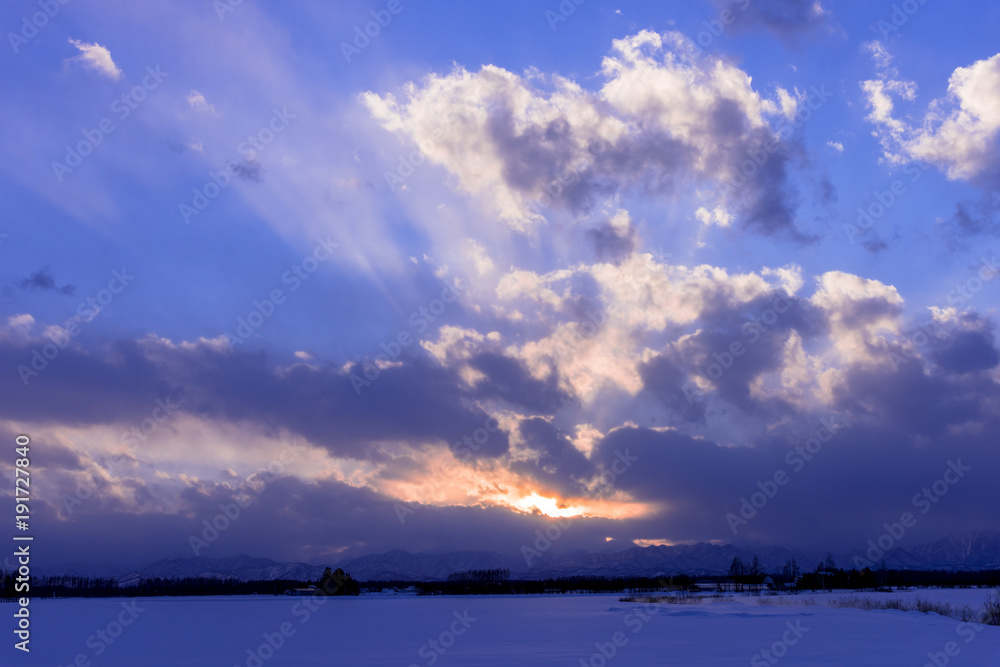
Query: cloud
[
  {"x": 45, "y": 281},
  {"x": 198, "y": 102},
  {"x": 613, "y": 239},
  {"x": 959, "y": 134},
  {"x": 97, "y": 58},
  {"x": 788, "y": 19},
  {"x": 559, "y": 431},
  {"x": 249, "y": 170},
  {"x": 663, "y": 119}
]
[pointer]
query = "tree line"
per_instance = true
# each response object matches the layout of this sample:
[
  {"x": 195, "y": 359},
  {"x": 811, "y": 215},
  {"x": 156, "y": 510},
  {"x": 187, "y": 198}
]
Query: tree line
[
  {"x": 487, "y": 576},
  {"x": 331, "y": 583},
  {"x": 741, "y": 577}
]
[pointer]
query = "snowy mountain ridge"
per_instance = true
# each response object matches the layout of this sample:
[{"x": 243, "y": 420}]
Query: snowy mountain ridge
[{"x": 972, "y": 550}]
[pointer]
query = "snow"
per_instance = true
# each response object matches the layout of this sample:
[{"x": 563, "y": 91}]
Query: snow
[{"x": 521, "y": 630}]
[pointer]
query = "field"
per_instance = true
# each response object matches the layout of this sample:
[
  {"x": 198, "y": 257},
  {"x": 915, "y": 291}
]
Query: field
[{"x": 525, "y": 631}]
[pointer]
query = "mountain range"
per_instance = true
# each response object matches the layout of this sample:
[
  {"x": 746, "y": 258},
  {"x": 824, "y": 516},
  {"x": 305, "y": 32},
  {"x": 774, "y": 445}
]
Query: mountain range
[{"x": 975, "y": 550}]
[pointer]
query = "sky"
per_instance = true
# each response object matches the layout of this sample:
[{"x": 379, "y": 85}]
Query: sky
[{"x": 315, "y": 279}]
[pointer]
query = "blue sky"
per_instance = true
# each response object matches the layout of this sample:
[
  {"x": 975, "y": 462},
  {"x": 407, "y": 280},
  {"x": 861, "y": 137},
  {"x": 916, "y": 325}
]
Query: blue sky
[{"x": 565, "y": 168}]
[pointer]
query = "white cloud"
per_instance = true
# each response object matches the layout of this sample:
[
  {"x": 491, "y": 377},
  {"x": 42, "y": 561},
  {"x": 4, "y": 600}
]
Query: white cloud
[
  {"x": 717, "y": 216},
  {"x": 662, "y": 116},
  {"x": 859, "y": 312},
  {"x": 959, "y": 134},
  {"x": 18, "y": 328},
  {"x": 835, "y": 145},
  {"x": 592, "y": 343},
  {"x": 199, "y": 103},
  {"x": 881, "y": 57},
  {"x": 788, "y": 104},
  {"x": 96, "y": 57}
]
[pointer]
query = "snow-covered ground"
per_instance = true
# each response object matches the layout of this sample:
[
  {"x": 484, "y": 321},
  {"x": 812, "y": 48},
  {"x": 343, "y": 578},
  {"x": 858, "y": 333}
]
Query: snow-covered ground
[{"x": 567, "y": 630}]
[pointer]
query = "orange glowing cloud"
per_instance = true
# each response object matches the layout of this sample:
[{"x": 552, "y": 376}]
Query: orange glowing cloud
[{"x": 446, "y": 481}]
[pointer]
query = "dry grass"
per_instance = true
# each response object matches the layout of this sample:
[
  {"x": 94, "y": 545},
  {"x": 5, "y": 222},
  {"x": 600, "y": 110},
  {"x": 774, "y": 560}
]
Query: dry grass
[
  {"x": 670, "y": 598},
  {"x": 990, "y": 613},
  {"x": 991, "y": 608},
  {"x": 785, "y": 601}
]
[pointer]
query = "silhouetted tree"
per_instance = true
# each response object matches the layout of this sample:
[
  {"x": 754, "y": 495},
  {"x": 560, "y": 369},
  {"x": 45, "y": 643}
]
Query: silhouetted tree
[
  {"x": 756, "y": 574},
  {"x": 737, "y": 572}
]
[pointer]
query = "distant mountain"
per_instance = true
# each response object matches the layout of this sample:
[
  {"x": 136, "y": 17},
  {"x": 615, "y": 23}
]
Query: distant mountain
[
  {"x": 402, "y": 565},
  {"x": 961, "y": 551},
  {"x": 972, "y": 550}
]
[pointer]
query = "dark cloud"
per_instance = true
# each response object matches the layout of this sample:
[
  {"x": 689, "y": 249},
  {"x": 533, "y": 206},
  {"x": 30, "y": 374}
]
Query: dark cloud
[
  {"x": 973, "y": 218},
  {"x": 967, "y": 352},
  {"x": 732, "y": 348},
  {"x": 874, "y": 245},
  {"x": 610, "y": 244},
  {"x": 908, "y": 398},
  {"x": 860, "y": 478},
  {"x": 417, "y": 401},
  {"x": 45, "y": 281},
  {"x": 248, "y": 170},
  {"x": 788, "y": 19},
  {"x": 671, "y": 385},
  {"x": 508, "y": 380},
  {"x": 559, "y": 465},
  {"x": 318, "y": 522}
]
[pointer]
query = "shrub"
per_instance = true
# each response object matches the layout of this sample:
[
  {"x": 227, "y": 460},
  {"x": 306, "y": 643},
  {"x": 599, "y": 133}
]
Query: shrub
[
  {"x": 927, "y": 606},
  {"x": 991, "y": 608},
  {"x": 965, "y": 613}
]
